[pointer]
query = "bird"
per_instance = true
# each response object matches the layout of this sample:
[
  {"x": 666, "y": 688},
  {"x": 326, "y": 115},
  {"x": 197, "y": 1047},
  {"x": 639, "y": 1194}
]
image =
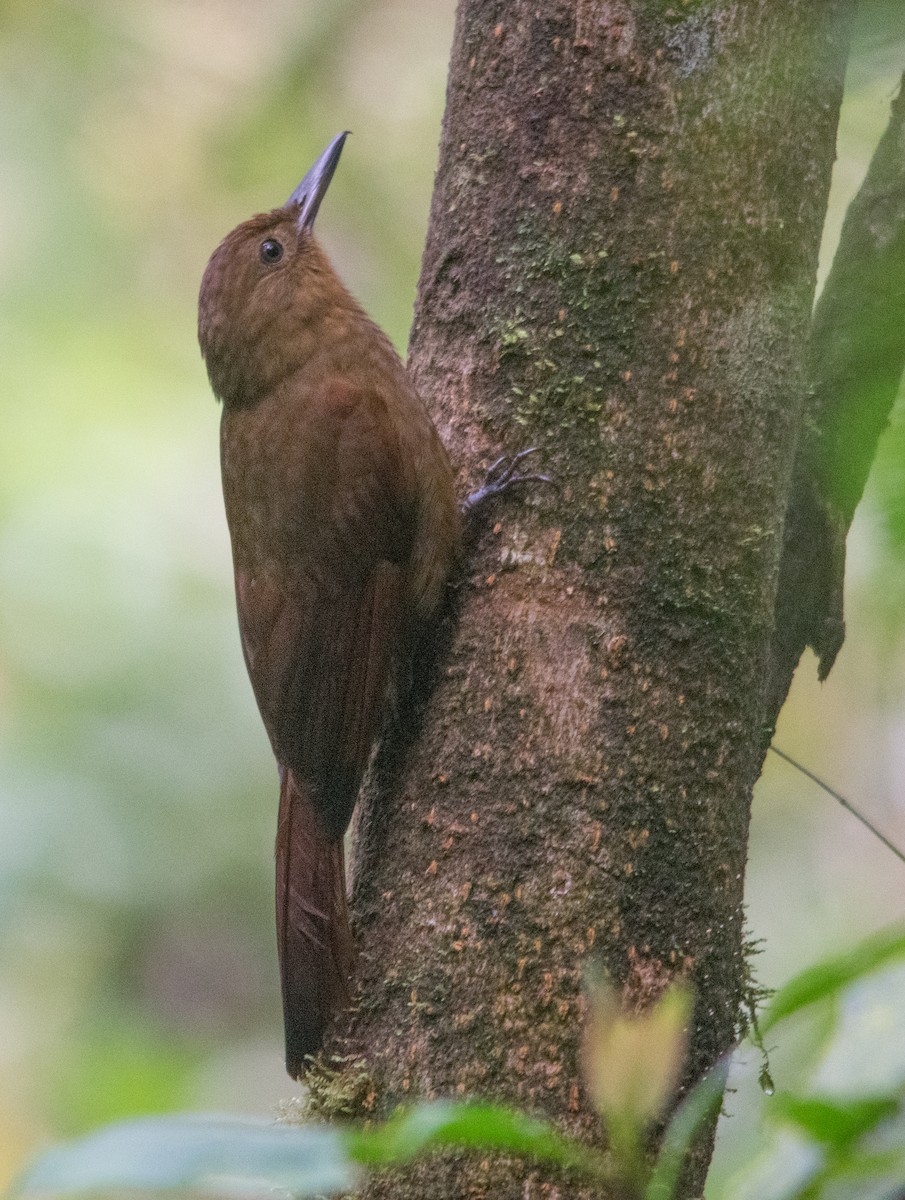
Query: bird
[{"x": 345, "y": 533}]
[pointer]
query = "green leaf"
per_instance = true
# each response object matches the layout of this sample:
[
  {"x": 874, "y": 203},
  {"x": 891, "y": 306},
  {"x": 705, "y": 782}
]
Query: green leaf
[
  {"x": 633, "y": 1061},
  {"x": 834, "y": 1122},
  {"x": 831, "y": 976},
  {"x": 472, "y": 1126},
  {"x": 862, "y": 1169},
  {"x": 222, "y": 1155},
  {"x": 212, "y": 1154},
  {"x": 701, "y": 1104}
]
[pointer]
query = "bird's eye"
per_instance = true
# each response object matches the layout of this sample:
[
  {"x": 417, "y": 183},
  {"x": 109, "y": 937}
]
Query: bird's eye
[{"x": 271, "y": 251}]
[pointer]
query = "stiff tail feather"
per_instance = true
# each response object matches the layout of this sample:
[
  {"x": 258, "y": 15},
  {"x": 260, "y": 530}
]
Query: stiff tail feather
[{"x": 313, "y": 935}]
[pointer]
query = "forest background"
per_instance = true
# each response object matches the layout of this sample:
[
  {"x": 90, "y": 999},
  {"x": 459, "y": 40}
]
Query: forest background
[{"x": 137, "y": 794}]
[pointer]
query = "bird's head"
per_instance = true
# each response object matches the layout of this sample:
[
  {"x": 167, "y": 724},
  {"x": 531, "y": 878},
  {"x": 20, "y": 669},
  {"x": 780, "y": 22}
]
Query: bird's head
[{"x": 265, "y": 291}]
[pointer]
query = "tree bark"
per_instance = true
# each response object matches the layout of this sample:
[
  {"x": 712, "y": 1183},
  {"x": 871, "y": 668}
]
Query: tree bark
[{"x": 619, "y": 269}]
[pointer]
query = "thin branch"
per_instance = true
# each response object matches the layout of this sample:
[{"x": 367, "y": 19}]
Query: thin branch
[{"x": 846, "y": 804}]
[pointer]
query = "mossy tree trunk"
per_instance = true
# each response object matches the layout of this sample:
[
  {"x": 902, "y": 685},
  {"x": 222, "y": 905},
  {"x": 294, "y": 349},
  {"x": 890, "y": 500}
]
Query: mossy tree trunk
[{"x": 620, "y": 270}]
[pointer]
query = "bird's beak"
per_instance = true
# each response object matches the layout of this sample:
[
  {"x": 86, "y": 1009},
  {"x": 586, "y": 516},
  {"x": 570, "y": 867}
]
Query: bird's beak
[{"x": 313, "y": 188}]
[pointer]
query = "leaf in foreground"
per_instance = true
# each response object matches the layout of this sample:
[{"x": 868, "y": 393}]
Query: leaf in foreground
[
  {"x": 835, "y": 1122},
  {"x": 829, "y": 977},
  {"x": 211, "y": 1154},
  {"x": 472, "y": 1126},
  {"x": 701, "y": 1103},
  {"x": 221, "y": 1155}
]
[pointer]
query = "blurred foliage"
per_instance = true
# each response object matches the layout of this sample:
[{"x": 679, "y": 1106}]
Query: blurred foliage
[
  {"x": 137, "y": 795},
  {"x": 844, "y": 1139},
  {"x": 848, "y": 1146},
  {"x": 827, "y": 979},
  {"x": 621, "y": 1064}
]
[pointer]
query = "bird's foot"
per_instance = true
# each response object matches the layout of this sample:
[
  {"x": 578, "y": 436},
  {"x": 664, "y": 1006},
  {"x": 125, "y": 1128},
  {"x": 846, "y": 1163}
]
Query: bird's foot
[{"x": 501, "y": 476}]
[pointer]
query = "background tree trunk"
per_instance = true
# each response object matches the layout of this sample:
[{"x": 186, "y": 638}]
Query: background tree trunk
[
  {"x": 620, "y": 270},
  {"x": 857, "y": 353}
]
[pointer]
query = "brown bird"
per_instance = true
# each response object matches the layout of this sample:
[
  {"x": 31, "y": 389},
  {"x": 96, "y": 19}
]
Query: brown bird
[{"x": 344, "y": 527}]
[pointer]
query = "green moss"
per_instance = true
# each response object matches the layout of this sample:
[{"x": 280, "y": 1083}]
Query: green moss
[
  {"x": 337, "y": 1087},
  {"x": 675, "y": 11},
  {"x": 754, "y": 995},
  {"x": 575, "y": 295}
]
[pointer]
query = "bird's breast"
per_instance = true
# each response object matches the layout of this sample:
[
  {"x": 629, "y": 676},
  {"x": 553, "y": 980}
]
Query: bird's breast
[{"x": 274, "y": 460}]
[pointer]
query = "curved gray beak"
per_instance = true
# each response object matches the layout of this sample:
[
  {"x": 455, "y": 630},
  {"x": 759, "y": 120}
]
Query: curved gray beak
[{"x": 313, "y": 188}]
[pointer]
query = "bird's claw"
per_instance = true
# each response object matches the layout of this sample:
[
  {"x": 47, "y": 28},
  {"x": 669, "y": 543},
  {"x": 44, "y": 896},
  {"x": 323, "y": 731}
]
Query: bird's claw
[
  {"x": 502, "y": 471},
  {"x": 502, "y": 475}
]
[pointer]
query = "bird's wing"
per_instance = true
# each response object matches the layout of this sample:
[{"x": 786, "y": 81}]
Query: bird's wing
[{"x": 319, "y": 631}]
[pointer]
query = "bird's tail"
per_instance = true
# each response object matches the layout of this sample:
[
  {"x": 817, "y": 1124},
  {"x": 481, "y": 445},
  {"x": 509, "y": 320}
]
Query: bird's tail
[{"x": 314, "y": 938}]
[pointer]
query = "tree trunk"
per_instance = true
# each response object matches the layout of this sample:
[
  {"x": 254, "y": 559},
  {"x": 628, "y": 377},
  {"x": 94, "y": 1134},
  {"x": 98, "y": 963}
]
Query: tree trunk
[{"x": 620, "y": 270}]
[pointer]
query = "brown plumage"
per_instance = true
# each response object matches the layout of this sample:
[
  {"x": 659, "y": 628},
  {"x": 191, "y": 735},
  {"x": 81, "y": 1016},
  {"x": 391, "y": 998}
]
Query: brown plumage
[{"x": 344, "y": 528}]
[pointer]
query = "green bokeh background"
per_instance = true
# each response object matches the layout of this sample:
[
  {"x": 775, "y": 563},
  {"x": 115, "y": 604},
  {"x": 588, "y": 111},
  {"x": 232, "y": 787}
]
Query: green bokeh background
[{"x": 137, "y": 794}]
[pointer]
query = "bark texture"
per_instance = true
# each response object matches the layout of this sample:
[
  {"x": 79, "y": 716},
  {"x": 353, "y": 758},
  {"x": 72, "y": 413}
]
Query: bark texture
[{"x": 620, "y": 270}]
